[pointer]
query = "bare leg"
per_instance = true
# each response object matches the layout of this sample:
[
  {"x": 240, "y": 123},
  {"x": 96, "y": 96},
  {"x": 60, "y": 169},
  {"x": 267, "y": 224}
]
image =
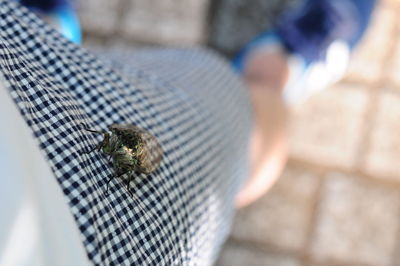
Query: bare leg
[{"x": 266, "y": 75}]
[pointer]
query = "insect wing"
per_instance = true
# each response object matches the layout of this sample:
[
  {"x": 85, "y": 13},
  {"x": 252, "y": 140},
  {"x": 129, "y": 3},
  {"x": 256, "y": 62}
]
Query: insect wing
[
  {"x": 148, "y": 149},
  {"x": 150, "y": 153}
]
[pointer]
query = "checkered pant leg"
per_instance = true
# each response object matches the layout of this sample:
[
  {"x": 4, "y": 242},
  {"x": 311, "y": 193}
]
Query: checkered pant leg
[{"x": 188, "y": 99}]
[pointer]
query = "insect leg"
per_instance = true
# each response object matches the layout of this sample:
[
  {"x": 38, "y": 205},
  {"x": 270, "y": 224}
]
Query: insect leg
[
  {"x": 128, "y": 186},
  {"x": 108, "y": 182},
  {"x": 92, "y": 150},
  {"x": 98, "y": 147},
  {"x": 95, "y": 131}
]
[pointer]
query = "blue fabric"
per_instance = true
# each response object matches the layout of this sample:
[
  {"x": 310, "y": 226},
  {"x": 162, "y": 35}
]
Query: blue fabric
[
  {"x": 310, "y": 29},
  {"x": 62, "y": 11},
  {"x": 266, "y": 38},
  {"x": 312, "y": 26},
  {"x": 44, "y": 5},
  {"x": 69, "y": 23},
  {"x": 365, "y": 9}
]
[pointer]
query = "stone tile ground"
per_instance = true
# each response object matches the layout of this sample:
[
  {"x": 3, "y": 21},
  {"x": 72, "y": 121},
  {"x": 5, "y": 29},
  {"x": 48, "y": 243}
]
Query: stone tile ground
[
  {"x": 282, "y": 217},
  {"x": 337, "y": 203},
  {"x": 357, "y": 221},
  {"x": 384, "y": 150},
  {"x": 241, "y": 255},
  {"x": 327, "y": 129},
  {"x": 367, "y": 66}
]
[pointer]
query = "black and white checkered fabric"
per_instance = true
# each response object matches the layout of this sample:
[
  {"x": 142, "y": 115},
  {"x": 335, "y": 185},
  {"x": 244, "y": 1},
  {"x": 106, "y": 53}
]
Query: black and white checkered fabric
[{"x": 189, "y": 99}]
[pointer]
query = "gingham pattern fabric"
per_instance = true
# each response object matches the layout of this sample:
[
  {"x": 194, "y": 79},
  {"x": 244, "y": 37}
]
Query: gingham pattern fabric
[{"x": 189, "y": 99}]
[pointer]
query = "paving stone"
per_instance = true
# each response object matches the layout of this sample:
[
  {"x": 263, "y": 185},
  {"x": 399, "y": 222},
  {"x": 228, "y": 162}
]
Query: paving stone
[
  {"x": 99, "y": 16},
  {"x": 391, "y": 3},
  {"x": 282, "y": 216},
  {"x": 384, "y": 151},
  {"x": 327, "y": 264},
  {"x": 357, "y": 221},
  {"x": 395, "y": 66},
  {"x": 368, "y": 59},
  {"x": 93, "y": 43},
  {"x": 233, "y": 255},
  {"x": 326, "y": 129},
  {"x": 120, "y": 44},
  {"x": 179, "y": 22},
  {"x": 331, "y": 264}
]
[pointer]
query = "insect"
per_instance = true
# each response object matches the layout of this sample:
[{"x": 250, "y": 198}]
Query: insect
[{"x": 130, "y": 149}]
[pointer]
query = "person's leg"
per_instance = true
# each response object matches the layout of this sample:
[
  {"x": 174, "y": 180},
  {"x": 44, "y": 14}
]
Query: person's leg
[
  {"x": 265, "y": 65},
  {"x": 266, "y": 76},
  {"x": 319, "y": 36}
]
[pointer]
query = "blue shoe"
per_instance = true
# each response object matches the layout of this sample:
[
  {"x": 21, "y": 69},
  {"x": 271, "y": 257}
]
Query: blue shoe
[
  {"x": 59, "y": 13},
  {"x": 318, "y": 37}
]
